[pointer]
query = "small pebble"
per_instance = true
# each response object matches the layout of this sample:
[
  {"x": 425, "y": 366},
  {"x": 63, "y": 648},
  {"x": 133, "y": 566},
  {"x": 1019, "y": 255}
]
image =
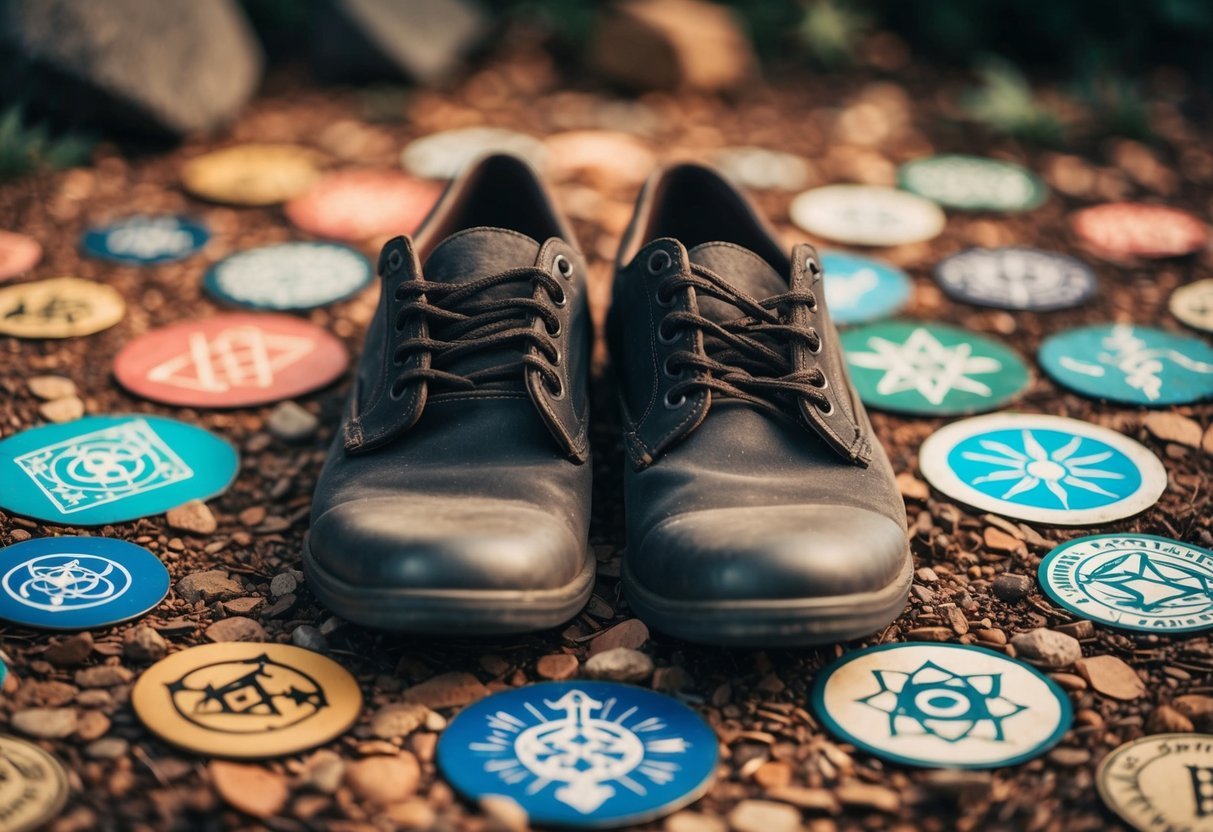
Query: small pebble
[{"x": 291, "y": 423}]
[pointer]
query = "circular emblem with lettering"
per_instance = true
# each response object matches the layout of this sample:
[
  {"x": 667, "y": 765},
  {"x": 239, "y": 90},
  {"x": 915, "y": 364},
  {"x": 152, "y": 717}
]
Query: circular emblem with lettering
[
  {"x": 1133, "y": 364},
  {"x": 1045, "y": 469},
  {"x": 444, "y": 155},
  {"x": 1161, "y": 783},
  {"x": 109, "y": 469},
  {"x": 146, "y": 240},
  {"x": 941, "y": 705},
  {"x": 763, "y": 169},
  {"x": 62, "y": 307},
  {"x": 33, "y": 786},
  {"x": 357, "y": 205},
  {"x": 1193, "y": 304},
  {"x": 867, "y": 215},
  {"x": 860, "y": 289},
  {"x": 973, "y": 183},
  {"x": 591, "y": 754},
  {"x": 1016, "y": 278},
  {"x": 1135, "y": 582},
  {"x": 246, "y": 700},
  {"x": 235, "y": 360},
  {"x": 78, "y": 583},
  {"x": 252, "y": 174},
  {"x": 1125, "y": 230},
  {"x": 289, "y": 276},
  {"x": 933, "y": 369},
  {"x": 18, "y": 254}
]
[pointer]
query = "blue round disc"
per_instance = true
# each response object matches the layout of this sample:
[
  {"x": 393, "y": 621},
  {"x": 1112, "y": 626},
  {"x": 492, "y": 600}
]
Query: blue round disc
[
  {"x": 860, "y": 289},
  {"x": 588, "y": 754},
  {"x": 1131, "y": 364},
  {"x": 109, "y": 469},
  {"x": 146, "y": 240},
  {"x": 289, "y": 276},
  {"x": 78, "y": 583}
]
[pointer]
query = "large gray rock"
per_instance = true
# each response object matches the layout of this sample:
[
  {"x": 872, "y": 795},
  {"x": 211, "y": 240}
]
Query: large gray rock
[
  {"x": 156, "y": 67},
  {"x": 424, "y": 40}
]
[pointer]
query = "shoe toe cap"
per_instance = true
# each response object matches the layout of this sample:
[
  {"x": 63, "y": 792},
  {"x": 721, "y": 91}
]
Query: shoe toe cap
[{"x": 770, "y": 553}]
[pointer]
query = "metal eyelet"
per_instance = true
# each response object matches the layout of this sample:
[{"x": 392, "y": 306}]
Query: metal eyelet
[
  {"x": 659, "y": 261},
  {"x": 397, "y": 391},
  {"x": 812, "y": 265},
  {"x": 827, "y": 410},
  {"x": 665, "y": 369},
  {"x": 662, "y": 338},
  {"x": 817, "y": 349},
  {"x": 399, "y": 293},
  {"x": 561, "y": 301},
  {"x": 560, "y": 391},
  {"x": 563, "y": 266},
  {"x": 556, "y": 334},
  {"x": 559, "y": 357},
  {"x": 394, "y": 260},
  {"x": 825, "y": 384},
  {"x": 672, "y": 404},
  {"x": 667, "y": 302}
]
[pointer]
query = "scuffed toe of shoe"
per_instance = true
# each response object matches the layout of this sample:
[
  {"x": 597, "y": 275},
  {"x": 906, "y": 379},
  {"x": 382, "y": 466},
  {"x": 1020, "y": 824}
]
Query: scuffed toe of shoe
[
  {"x": 410, "y": 542},
  {"x": 770, "y": 553}
]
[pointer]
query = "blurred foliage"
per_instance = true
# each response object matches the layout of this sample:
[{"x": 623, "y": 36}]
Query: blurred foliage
[
  {"x": 1006, "y": 103},
  {"x": 831, "y": 31},
  {"x": 28, "y": 147}
]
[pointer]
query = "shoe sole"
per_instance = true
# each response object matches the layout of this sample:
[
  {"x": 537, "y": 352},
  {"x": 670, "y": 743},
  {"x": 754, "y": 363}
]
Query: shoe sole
[
  {"x": 450, "y": 611},
  {"x": 796, "y": 622}
]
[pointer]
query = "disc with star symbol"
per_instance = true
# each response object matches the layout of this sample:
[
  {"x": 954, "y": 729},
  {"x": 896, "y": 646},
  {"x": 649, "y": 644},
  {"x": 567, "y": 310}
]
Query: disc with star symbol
[
  {"x": 1134, "y": 582},
  {"x": 941, "y": 705},
  {"x": 1045, "y": 469},
  {"x": 245, "y": 700},
  {"x": 932, "y": 369}
]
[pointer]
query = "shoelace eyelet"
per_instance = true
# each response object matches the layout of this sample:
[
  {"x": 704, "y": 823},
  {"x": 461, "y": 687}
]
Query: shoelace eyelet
[
  {"x": 813, "y": 267},
  {"x": 666, "y": 302},
  {"x": 397, "y": 391},
  {"x": 560, "y": 301},
  {"x": 666, "y": 339},
  {"x": 674, "y": 404},
  {"x": 659, "y": 261},
  {"x": 394, "y": 260},
  {"x": 665, "y": 368},
  {"x": 554, "y": 333},
  {"x": 563, "y": 266},
  {"x": 826, "y": 409},
  {"x": 559, "y": 392}
]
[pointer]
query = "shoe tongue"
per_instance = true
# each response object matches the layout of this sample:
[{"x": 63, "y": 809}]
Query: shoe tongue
[
  {"x": 743, "y": 269},
  {"x": 480, "y": 252}
]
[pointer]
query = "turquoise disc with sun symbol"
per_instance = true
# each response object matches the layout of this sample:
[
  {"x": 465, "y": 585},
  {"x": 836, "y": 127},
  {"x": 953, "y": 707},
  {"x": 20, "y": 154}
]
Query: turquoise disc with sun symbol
[
  {"x": 1044, "y": 469},
  {"x": 941, "y": 705},
  {"x": 1134, "y": 582}
]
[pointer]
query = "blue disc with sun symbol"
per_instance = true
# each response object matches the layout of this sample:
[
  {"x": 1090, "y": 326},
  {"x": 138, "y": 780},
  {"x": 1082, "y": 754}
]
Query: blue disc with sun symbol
[
  {"x": 589, "y": 754},
  {"x": 941, "y": 705},
  {"x": 1045, "y": 469}
]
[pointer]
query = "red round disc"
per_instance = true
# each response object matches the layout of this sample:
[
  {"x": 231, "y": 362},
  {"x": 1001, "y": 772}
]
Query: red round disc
[
  {"x": 18, "y": 254},
  {"x": 1135, "y": 229},
  {"x": 230, "y": 361},
  {"x": 357, "y": 205}
]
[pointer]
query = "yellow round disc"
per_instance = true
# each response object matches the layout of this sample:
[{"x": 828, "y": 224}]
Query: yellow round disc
[
  {"x": 33, "y": 786},
  {"x": 247, "y": 701},
  {"x": 62, "y": 307},
  {"x": 252, "y": 174}
]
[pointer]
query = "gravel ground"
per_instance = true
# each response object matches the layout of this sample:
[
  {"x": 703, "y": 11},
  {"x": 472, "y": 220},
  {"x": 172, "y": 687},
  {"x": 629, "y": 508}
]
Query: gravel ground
[{"x": 772, "y": 750}]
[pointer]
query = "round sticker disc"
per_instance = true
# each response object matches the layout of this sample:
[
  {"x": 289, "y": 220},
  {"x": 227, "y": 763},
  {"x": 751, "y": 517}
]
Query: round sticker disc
[
  {"x": 931, "y": 369},
  {"x": 860, "y": 289},
  {"x": 763, "y": 169},
  {"x": 581, "y": 754},
  {"x": 78, "y": 583},
  {"x": 1125, "y": 230},
  {"x": 109, "y": 469},
  {"x": 62, "y": 307},
  {"x": 146, "y": 240},
  {"x": 867, "y": 215},
  {"x": 1160, "y": 783},
  {"x": 1016, "y": 278},
  {"x": 18, "y": 254},
  {"x": 33, "y": 785},
  {"x": 236, "y": 360},
  {"x": 941, "y": 705},
  {"x": 359, "y": 205},
  {"x": 245, "y": 700},
  {"x": 973, "y": 183},
  {"x": 252, "y": 174},
  {"x": 1193, "y": 304},
  {"x": 289, "y": 276},
  {"x": 1045, "y": 469},
  {"x": 1134, "y": 582},
  {"x": 1137, "y": 365},
  {"x": 444, "y": 155}
]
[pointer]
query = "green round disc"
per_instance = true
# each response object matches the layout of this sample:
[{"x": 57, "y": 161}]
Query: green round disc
[{"x": 973, "y": 183}]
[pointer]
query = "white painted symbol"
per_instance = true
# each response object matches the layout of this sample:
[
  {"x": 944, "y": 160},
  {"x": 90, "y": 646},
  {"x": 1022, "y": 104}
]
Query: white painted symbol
[
  {"x": 1141, "y": 366},
  {"x": 1024, "y": 470},
  {"x": 586, "y": 753},
  {"x": 66, "y": 582},
  {"x": 292, "y": 275},
  {"x": 103, "y": 466},
  {"x": 239, "y": 356},
  {"x": 923, "y": 364},
  {"x": 845, "y": 291},
  {"x": 150, "y": 237}
]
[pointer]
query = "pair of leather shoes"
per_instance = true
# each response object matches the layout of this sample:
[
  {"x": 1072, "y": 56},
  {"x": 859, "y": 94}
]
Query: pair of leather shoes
[{"x": 456, "y": 497}]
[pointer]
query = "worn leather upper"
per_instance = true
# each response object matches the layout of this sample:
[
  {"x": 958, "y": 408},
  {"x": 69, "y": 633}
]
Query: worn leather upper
[{"x": 433, "y": 484}]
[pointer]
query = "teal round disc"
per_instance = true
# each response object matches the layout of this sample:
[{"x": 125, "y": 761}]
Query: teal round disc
[
  {"x": 932, "y": 369},
  {"x": 973, "y": 183}
]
